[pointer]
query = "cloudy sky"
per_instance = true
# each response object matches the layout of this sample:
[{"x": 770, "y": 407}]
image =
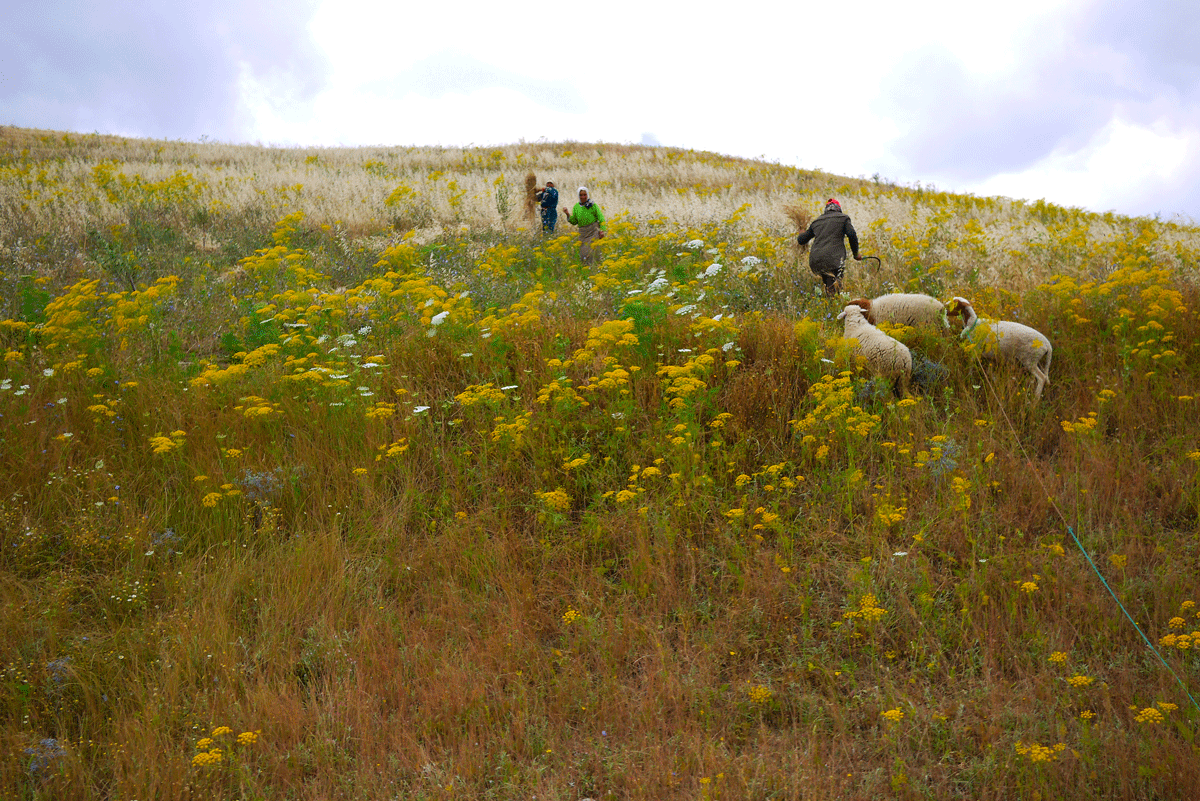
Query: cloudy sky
[{"x": 1092, "y": 103}]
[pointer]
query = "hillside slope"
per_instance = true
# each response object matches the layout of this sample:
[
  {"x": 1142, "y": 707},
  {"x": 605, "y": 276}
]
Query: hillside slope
[{"x": 326, "y": 476}]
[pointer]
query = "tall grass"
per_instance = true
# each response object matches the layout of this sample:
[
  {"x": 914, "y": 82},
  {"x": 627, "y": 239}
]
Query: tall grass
[{"x": 322, "y": 480}]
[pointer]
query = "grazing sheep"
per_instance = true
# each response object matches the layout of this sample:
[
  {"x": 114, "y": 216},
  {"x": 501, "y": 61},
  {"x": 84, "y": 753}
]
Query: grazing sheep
[
  {"x": 903, "y": 309},
  {"x": 1006, "y": 339},
  {"x": 887, "y": 357}
]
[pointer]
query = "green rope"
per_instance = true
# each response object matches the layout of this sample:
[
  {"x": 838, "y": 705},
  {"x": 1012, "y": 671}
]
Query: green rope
[
  {"x": 1149, "y": 644},
  {"x": 1082, "y": 550}
]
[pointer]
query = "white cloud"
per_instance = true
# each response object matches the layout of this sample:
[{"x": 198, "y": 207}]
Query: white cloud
[{"x": 1120, "y": 167}]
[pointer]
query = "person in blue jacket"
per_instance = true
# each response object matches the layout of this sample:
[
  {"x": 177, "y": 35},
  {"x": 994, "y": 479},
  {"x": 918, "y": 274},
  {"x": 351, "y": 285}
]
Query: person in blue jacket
[{"x": 548, "y": 199}]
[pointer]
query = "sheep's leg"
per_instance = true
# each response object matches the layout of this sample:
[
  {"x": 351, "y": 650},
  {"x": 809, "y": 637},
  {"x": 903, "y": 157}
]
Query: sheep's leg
[{"x": 1034, "y": 366}]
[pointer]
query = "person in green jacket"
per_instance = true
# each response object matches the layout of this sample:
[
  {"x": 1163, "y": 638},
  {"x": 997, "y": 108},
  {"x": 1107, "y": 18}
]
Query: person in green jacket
[{"x": 590, "y": 219}]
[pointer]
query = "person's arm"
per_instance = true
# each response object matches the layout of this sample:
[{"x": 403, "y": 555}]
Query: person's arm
[
  {"x": 570, "y": 216},
  {"x": 599, "y": 217},
  {"x": 805, "y": 237},
  {"x": 852, "y": 235}
]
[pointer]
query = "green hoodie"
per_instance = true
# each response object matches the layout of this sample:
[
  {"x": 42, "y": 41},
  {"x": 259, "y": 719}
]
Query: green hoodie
[{"x": 581, "y": 215}]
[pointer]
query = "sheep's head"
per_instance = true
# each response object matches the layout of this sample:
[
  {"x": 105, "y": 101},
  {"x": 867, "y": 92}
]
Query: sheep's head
[
  {"x": 865, "y": 305},
  {"x": 852, "y": 312},
  {"x": 959, "y": 306}
]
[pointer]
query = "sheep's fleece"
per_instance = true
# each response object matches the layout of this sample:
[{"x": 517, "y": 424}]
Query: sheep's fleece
[
  {"x": 887, "y": 357},
  {"x": 904, "y": 309}
]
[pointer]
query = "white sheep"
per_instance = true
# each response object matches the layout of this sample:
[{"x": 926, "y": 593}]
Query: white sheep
[
  {"x": 902, "y": 309},
  {"x": 997, "y": 339},
  {"x": 887, "y": 357}
]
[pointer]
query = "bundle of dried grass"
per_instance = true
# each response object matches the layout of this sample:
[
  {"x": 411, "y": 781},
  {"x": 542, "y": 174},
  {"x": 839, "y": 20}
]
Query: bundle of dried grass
[
  {"x": 801, "y": 217},
  {"x": 531, "y": 198}
]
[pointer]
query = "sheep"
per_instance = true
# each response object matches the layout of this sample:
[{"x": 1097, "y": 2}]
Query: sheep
[
  {"x": 903, "y": 309},
  {"x": 887, "y": 357},
  {"x": 1005, "y": 339}
]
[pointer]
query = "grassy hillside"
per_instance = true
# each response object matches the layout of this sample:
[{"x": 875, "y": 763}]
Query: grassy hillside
[{"x": 326, "y": 476}]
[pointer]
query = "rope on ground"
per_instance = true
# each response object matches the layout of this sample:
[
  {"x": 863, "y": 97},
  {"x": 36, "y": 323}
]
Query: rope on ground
[{"x": 1045, "y": 490}]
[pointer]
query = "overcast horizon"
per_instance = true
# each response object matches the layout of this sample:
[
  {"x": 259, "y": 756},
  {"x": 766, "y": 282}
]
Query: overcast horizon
[{"x": 1088, "y": 103}]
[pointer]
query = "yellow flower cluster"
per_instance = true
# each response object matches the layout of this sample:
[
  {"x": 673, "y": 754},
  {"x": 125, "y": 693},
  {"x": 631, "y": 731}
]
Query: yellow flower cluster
[
  {"x": 893, "y": 715},
  {"x": 482, "y": 394},
  {"x": 1040, "y": 753},
  {"x": 889, "y": 514},
  {"x": 868, "y": 610},
  {"x": 513, "y": 430},
  {"x": 835, "y": 414},
  {"x": 1082, "y": 425},
  {"x": 1181, "y": 641},
  {"x": 131, "y": 311},
  {"x": 766, "y": 519},
  {"x": 1149, "y": 715},
  {"x": 161, "y": 444},
  {"x": 686, "y": 380},
  {"x": 1079, "y": 680},
  {"x": 612, "y": 333},
  {"x": 759, "y": 694},
  {"x": 209, "y": 758},
  {"x": 209, "y": 755},
  {"x": 557, "y": 499},
  {"x": 70, "y": 325},
  {"x": 561, "y": 396},
  {"x": 255, "y": 407},
  {"x": 392, "y": 450},
  {"x": 636, "y": 473},
  {"x": 382, "y": 410},
  {"x": 962, "y": 492},
  {"x": 570, "y": 616}
]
